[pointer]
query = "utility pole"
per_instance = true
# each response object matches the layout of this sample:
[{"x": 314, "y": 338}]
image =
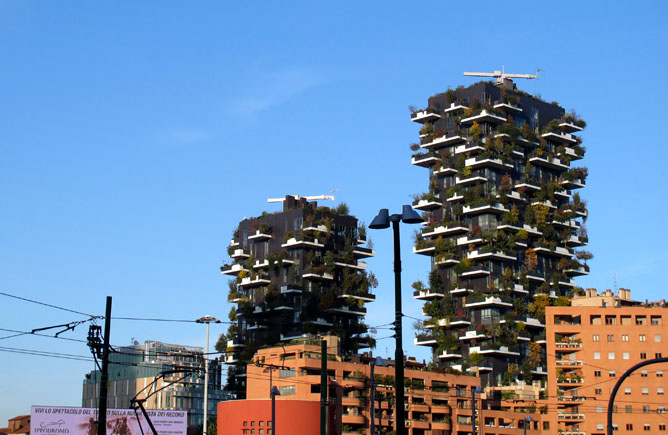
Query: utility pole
[
  {"x": 323, "y": 388},
  {"x": 104, "y": 375}
]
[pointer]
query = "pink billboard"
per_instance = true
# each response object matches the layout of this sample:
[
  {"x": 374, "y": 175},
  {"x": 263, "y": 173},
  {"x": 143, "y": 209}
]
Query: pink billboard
[{"x": 54, "y": 420}]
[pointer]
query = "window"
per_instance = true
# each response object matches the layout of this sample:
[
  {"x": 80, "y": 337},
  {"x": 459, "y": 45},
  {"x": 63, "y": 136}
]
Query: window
[
  {"x": 643, "y": 373},
  {"x": 611, "y": 355},
  {"x": 626, "y": 355},
  {"x": 627, "y": 390},
  {"x": 287, "y": 373},
  {"x": 626, "y": 320},
  {"x": 643, "y": 355},
  {"x": 661, "y": 409},
  {"x": 599, "y": 426},
  {"x": 657, "y": 355},
  {"x": 597, "y": 373},
  {"x": 288, "y": 390},
  {"x": 610, "y": 320},
  {"x": 642, "y": 337},
  {"x": 612, "y": 373},
  {"x": 595, "y": 337},
  {"x": 641, "y": 320},
  {"x": 655, "y": 320},
  {"x": 657, "y": 338},
  {"x": 597, "y": 355},
  {"x": 595, "y": 320},
  {"x": 629, "y": 426},
  {"x": 598, "y": 391},
  {"x": 645, "y": 391},
  {"x": 599, "y": 409},
  {"x": 662, "y": 426},
  {"x": 628, "y": 409},
  {"x": 625, "y": 337},
  {"x": 611, "y": 337},
  {"x": 659, "y": 373},
  {"x": 659, "y": 391},
  {"x": 646, "y": 427}
]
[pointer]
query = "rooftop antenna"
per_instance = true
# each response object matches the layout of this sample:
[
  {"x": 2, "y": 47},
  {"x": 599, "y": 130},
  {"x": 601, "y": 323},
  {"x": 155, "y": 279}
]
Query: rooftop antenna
[
  {"x": 503, "y": 78},
  {"x": 614, "y": 280}
]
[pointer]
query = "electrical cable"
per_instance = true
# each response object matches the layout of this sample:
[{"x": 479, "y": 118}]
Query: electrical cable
[{"x": 45, "y": 304}]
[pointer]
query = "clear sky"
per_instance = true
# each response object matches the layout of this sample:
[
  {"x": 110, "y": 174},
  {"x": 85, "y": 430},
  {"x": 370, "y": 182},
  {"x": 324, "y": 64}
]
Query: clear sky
[{"x": 134, "y": 136}]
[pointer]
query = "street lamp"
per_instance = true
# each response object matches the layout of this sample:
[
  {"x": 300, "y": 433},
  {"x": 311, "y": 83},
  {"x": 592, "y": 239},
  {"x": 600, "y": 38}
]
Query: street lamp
[
  {"x": 274, "y": 392},
  {"x": 382, "y": 221},
  {"x": 474, "y": 391},
  {"x": 381, "y": 363},
  {"x": 206, "y": 319},
  {"x": 527, "y": 419}
]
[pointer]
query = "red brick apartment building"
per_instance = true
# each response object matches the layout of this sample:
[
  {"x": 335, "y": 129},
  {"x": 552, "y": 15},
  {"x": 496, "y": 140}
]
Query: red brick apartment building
[
  {"x": 436, "y": 403},
  {"x": 589, "y": 348}
]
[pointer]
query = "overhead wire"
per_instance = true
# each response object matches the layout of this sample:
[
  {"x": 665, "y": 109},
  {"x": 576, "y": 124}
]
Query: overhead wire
[{"x": 46, "y": 304}]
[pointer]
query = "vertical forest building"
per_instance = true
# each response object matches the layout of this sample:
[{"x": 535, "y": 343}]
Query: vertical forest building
[
  {"x": 296, "y": 274},
  {"x": 503, "y": 219}
]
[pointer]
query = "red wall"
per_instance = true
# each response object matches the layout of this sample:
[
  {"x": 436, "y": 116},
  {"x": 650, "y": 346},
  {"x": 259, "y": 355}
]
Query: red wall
[{"x": 292, "y": 417}]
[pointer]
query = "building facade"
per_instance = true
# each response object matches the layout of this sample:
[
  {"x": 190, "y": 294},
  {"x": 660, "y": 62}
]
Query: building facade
[
  {"x": 133, "y": 370},
  {"x": 437, "y": 403},
  {"x": 589, "y": 348},
  {"x": 502, "y": 218},
  {"x": 296, "y": 273}
]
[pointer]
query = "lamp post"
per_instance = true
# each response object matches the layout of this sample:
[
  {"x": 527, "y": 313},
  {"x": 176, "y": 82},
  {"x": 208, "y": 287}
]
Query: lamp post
[
  {"x": 475, "y": 390},
  {"x": 527, "y": 419},
  {"x": 206, "y": 319},
  {"x": 381, "y": 363},
  {"x": 382, "y": 221},
  {"x": 274, "y": 392}
]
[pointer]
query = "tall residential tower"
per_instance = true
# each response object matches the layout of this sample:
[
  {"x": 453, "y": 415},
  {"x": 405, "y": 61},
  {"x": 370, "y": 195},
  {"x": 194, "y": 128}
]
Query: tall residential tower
[
  {"x": 296, "y": 273},
  {"x": 502, "y": 219}
]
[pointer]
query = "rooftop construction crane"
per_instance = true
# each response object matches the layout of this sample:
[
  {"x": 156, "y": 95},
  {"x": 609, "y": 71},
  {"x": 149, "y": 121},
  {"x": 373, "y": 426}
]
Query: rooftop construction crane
[
  {"x": 502, "y": 78},
  {"x": 308, "y": 198}
]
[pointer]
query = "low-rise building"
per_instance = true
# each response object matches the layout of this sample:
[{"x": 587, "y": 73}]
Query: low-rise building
[{"x": 436, "y": 403}]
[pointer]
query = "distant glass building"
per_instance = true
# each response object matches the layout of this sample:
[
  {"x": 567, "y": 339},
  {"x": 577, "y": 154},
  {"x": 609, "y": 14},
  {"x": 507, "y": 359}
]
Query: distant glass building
[{"x": 132, "y": 369}]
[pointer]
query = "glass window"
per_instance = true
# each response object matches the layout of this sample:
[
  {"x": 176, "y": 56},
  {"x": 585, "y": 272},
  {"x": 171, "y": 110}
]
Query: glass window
[
  {"x": 288, "y": 390},
  {"x": 625, "y": 337},
  {"x": 655, "y": 320},
  {"x": 597, "y": 355},
  {"x": 611, "y": 337},
  {"x": 643, "y": 373},
  {"x": 599, "y": 409},
  {"x": 643, "y": 355},
  {"x": 659, "y": 391},
  {"x": 657, "y": 338},
  {"x": 611, "y": 355},
  {"x": 595, "y": 320},
  {"x": 598, "y": 391},
  {"x": 626, "y": 355},
  {"x": 597, "y": 373},
  {"x": 628, "y": 409},
  {"x": 642, "y": 337},
  {"x": 659, "y": 373},
  {"x": 612, "y": 373},
  {"x": 641, "y": 320},
  {"x": 645, "y": 390},
  {"x": 595, "y": 337},
  {"x": 627, "y": 390}
]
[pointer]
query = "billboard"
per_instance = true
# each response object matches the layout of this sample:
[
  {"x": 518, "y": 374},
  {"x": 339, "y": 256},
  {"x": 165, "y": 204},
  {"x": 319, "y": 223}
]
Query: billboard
[{"x": 54, "y": 420}]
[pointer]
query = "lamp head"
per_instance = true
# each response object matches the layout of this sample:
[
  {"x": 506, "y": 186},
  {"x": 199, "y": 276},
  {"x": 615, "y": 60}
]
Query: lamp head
[
  {"x": 381, "y": 221},
  {"x": 410, "y": 216},
  {"x": 529, "y": 418},
  {"x": 275, "y": 391}
]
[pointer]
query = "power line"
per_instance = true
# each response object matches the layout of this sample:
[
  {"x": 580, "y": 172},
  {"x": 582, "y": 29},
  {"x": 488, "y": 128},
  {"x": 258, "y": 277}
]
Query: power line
[{"x": 47, "y": 305}]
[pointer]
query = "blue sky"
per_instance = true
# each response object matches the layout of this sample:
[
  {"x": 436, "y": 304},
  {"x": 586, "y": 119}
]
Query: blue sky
[{"x": 135, "y": 136}]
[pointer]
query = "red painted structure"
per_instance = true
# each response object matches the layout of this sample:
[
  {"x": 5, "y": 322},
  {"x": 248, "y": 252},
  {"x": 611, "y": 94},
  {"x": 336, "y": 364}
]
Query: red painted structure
[{"x": 247, "y": 417}]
